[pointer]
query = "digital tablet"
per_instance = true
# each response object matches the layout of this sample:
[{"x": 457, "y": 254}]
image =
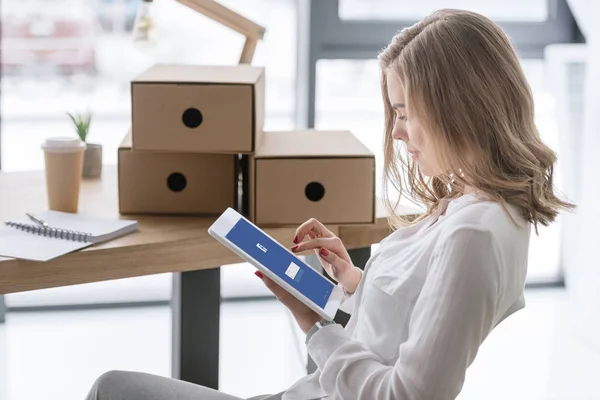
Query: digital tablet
[{"x": 277, "y": 262}]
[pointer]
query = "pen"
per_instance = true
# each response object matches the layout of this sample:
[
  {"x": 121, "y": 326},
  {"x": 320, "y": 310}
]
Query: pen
[{"x": 39, "y": 221}]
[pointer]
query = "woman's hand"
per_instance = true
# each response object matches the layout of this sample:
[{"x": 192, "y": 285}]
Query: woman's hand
[
  {"x": 305, "y": 317},
  {"x": 330, "y": 251}
]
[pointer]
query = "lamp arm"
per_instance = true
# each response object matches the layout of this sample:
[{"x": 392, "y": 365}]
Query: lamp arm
[{"x": 225, "y": 16}]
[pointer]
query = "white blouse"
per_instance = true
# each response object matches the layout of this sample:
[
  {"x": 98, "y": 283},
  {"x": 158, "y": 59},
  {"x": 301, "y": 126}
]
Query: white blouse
[{"x": 429, "y": 296}]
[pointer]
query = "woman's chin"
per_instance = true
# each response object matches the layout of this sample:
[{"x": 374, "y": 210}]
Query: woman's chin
[{"x": 424, "y": 170}]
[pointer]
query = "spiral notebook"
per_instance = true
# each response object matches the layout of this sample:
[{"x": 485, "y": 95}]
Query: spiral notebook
[{"x": 24, "y": 239}]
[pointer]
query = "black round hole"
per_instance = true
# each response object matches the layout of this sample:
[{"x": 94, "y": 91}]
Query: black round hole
[
  {"x": 314, "y": 191},
  {"x": 192, "y": 118},
  {"x": 176, "y": 182}
]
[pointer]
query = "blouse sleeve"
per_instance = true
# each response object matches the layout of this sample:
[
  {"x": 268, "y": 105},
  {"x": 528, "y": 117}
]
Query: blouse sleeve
[
  {"x": 453, "y": 314},
  {"x": 348, "y": 301}
]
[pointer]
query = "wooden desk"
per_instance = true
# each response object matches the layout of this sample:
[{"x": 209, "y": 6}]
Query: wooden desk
[{"x": 163, "y": 244}]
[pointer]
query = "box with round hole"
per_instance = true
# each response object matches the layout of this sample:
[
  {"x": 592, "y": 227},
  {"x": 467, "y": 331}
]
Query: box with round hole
[
  {"x": 158, "y": 182},
  {"x": 198, "y": 109},
  {"x": 297, "y": 175}
]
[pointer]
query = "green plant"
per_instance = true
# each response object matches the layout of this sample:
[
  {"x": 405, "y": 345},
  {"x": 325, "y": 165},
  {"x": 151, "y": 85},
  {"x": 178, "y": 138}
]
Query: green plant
[{"x": 82, "y": 124}]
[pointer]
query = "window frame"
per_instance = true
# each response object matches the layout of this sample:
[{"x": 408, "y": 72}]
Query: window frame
[{"x": 322, "y": 34}]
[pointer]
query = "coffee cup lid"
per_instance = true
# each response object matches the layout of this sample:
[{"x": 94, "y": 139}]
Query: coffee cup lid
[{"x": 63, "y": 144}]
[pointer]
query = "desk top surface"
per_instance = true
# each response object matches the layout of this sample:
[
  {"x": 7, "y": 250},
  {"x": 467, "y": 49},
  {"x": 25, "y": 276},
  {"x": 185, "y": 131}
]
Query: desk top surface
[{"x": 162, "y": 244}]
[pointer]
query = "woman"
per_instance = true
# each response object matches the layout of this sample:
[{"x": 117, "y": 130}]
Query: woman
[{"x": 456, "y": 97}]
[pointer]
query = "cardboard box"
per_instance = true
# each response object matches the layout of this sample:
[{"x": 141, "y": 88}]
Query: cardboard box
[
  {"x": 202, "y": 109},
  {"x": 176, "y": 183},
  {"x": 295, "y": 176}
]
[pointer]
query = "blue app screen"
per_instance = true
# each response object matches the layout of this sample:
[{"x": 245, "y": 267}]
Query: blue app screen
[{"x": 288, "y": 267}]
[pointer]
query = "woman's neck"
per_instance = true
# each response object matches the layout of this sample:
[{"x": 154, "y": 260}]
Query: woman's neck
[{"x": 469, "y": 189}]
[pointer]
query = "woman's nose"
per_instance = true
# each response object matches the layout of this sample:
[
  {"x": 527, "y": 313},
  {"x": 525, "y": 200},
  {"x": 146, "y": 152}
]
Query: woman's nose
[{"x": 399, "y": 133}]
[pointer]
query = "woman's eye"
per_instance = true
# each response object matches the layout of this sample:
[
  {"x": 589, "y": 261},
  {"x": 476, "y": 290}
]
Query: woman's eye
[{"x": 402, "y": 117}]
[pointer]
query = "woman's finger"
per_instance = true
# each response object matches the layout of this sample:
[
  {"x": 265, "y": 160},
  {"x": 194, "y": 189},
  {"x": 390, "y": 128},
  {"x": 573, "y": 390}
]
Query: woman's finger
[
  {"x": 336, "y": 264},
  {"x": 313, "y": 226},
  {"x": 333, "y": 244}
]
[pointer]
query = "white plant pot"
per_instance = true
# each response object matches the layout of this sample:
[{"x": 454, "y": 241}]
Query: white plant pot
[{"x": 92, "y": 161}]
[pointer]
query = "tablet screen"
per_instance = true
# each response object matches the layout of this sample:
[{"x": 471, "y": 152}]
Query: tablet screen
[{"x": 285, "y": 265}]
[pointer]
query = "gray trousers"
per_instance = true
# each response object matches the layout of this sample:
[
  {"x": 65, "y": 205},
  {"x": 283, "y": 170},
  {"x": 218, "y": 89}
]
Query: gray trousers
[{"x": 123, "y": 385}]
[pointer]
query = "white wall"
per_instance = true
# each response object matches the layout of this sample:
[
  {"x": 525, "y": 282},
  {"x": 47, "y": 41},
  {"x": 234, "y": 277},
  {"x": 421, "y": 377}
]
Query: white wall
[{"x": 582, "y": 264}]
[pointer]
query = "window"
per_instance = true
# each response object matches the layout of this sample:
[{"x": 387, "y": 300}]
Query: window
[
  {"x": 74, "y": 55},
  {"x": 508, "y": 10},
  {"x": 346, "y": 36}
]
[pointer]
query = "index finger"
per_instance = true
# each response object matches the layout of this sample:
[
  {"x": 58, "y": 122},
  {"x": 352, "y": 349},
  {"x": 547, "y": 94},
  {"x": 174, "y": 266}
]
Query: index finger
[{"x": 313, "y": 226}]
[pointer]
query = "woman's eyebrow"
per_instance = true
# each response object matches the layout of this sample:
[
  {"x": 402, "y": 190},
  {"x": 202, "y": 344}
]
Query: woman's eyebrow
[{"x": 397, "y": 105}]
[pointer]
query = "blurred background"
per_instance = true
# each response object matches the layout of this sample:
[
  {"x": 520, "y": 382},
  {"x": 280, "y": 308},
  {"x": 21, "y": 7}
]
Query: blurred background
[{"x": 320, "y": 58}]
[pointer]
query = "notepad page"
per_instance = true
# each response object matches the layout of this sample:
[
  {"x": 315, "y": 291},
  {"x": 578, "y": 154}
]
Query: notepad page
[
  {"x": 101, "y": 229},
  {"x": 15, "y": 243}
]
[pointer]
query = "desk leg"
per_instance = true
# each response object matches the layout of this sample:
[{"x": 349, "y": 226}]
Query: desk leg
[
  {"x": 196, "y": 310},
  {"x": 359, "y": 258},
  {"x": 2, "y": 309}
]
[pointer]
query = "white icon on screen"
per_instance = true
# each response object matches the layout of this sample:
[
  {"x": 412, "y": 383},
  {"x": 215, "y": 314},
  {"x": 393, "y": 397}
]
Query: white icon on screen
[
  {"x": 292, "y": 270},
  {"x": 260, "y": 246}
]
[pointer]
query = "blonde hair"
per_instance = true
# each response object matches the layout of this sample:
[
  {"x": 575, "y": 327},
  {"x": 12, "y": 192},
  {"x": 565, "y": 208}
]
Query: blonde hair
[{"x": 463, "y": 80}]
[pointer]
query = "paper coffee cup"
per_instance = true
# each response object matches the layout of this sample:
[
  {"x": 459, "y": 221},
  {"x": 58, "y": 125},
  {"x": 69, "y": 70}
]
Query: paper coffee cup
[{"x": 64, "y": 163}]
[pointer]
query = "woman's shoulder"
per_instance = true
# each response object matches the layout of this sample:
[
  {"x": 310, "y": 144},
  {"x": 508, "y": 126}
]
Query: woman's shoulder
[
  {"x": 502, "y": 225},
  {"x": 481, "y": 214},
  {"x": 496, "y": 238}
]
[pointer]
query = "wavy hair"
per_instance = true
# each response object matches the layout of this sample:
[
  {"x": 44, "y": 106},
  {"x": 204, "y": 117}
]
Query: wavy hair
[{"x": 463, "y": 80}]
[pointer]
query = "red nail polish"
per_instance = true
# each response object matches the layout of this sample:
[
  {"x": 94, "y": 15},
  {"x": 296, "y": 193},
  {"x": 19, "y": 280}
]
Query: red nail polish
[
  {"x": 294, "y": 248},
  {"x": 259, "y": 274},
  {"x": 295, "y": 239},
  {"x": 324, "y": 252}
]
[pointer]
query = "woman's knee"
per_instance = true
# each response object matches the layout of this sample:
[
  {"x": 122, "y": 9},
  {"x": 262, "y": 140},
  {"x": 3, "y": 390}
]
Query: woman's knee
[{"x": 108, "y": 385}]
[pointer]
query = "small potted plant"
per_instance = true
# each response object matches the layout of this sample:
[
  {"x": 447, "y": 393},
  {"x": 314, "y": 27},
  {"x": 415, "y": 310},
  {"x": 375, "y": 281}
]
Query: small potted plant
[{"x": 92, "y": 158}]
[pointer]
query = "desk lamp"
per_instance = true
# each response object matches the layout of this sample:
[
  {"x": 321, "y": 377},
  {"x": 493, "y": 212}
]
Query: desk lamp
[{"x": 144, "y": 30}]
